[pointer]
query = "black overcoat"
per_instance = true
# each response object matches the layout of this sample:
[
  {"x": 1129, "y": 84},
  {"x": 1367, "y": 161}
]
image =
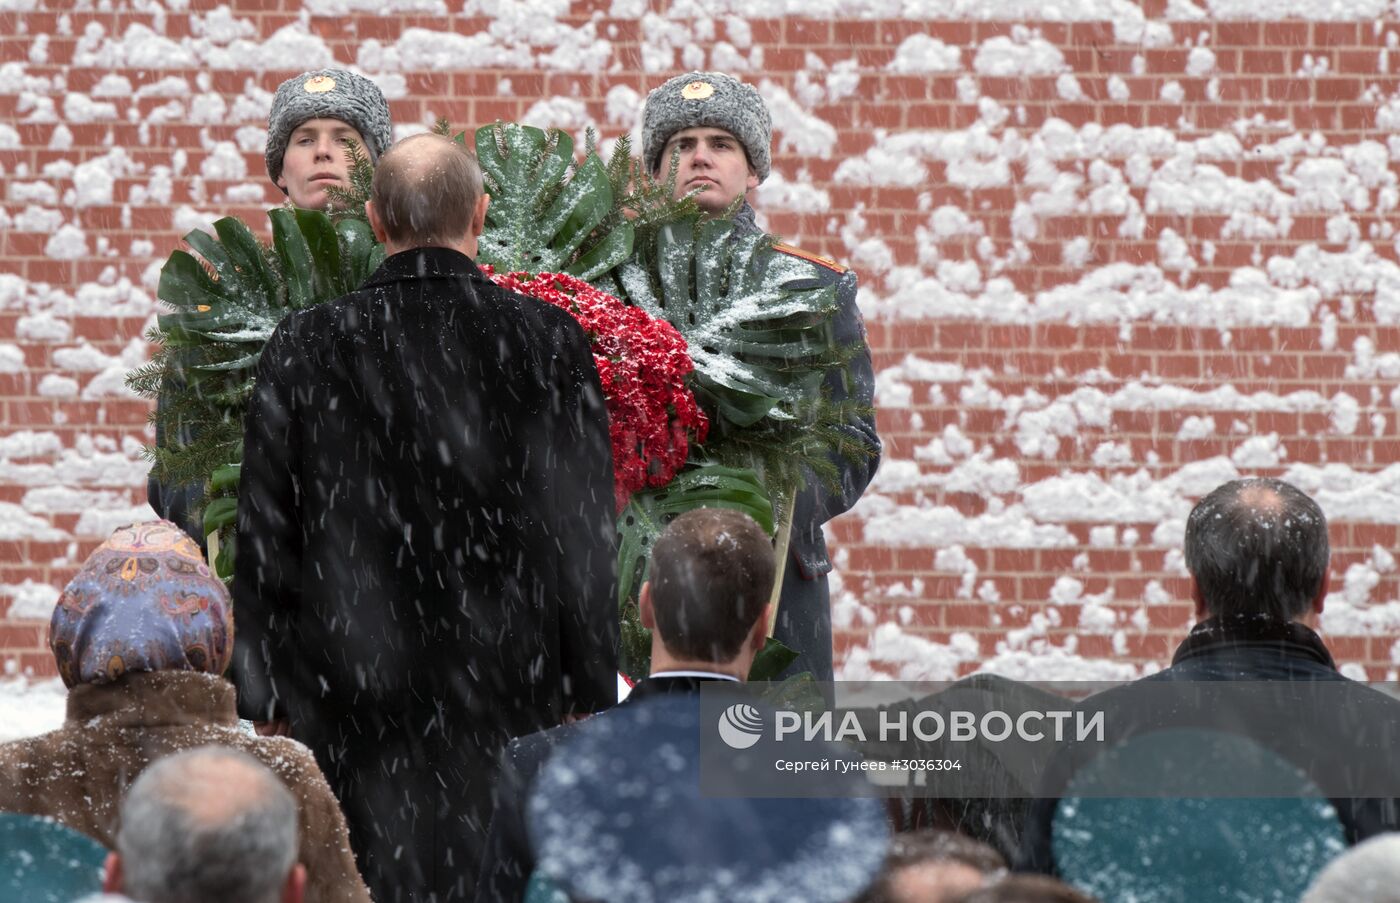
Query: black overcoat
[
  {"x": 1294, "y": 703},
  {"x": 426, "y": 551}
]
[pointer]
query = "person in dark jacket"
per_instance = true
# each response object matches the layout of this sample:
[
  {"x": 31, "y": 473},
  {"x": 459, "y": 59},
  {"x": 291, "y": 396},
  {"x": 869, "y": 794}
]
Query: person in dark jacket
[
  {"x": 711, "y": 576},
  {"x": 426, "y": 531},
  {"x": 711, "y": 579},
  {"x": 312, "y": 118},
  {"x": 1252, "y": 698},
  {"x": 721, "y": 132}
]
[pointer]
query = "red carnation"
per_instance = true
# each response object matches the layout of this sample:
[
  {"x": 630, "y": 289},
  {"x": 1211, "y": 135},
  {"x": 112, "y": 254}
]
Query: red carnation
[{"x": 643, "y": 363}]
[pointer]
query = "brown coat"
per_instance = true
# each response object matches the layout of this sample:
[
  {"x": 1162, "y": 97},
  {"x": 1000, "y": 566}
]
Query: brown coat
[{"x": 79, "y": 773}]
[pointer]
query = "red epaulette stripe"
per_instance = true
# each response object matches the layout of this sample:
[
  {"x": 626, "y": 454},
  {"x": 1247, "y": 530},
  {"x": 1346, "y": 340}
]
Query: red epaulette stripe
[{"x": 810, "y": 257}]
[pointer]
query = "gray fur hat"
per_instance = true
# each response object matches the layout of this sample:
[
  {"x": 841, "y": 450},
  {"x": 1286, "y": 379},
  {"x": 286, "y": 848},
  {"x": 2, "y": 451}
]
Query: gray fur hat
[
  {"x": 710, "y": 99},
  {"x": 326, "y": 94}
]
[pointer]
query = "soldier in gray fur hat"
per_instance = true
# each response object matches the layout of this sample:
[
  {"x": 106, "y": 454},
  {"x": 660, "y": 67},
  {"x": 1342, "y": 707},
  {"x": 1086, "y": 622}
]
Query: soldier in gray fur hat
[
  {"x": 721, "y": 131},
  {"x": 720, "y": 128},
  {"x": 312, "y": 118}
]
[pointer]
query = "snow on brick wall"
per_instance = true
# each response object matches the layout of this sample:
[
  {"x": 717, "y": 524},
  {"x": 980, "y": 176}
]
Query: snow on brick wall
[{"x": 1108, "y": 259}]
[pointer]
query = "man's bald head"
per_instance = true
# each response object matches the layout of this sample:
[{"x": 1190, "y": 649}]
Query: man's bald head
[
  {"x": 426, "y": 193},
  {"x": 212, "y": 824},
  {"x": 1258, "y": 547}
]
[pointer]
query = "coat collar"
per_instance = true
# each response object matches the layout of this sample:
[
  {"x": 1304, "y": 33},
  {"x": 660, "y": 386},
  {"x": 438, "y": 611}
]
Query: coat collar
[
  {"x": 666, "y": 686},
  {"x": 1288, "y": 639},
  {"x": 155, "y": 699},
  {"x": 424, "y": 263},
  {"x": 746, "y": 220}
]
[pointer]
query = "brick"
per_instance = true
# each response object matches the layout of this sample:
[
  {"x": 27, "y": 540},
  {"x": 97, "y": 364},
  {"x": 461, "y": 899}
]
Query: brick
[
  {"x": 1263, "y": 62},
  {"x": 807, "y": 31},
  {"x": 1286, "y": 34},
  {"x": 1336, "y": 34},
  {"x": 1360, "y": 62},
  {"x": 1256, "y": 64},
  {"x": 1236, "y": 34},
  {"x": 1314, "y": 117},
  {"x": 35, "y": 664},
  {"x": 1338, "y": 89},
  {"x": 21, "y": 636}
]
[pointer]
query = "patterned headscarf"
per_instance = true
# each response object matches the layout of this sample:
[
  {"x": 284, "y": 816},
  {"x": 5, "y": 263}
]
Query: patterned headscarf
[{"x": 144, "y": 601}]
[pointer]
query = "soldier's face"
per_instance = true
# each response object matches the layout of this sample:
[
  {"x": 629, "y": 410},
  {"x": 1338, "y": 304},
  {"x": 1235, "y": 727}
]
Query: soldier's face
[
  {"x": 315, "y": 160},
  {"x": 712, "y": 160}
]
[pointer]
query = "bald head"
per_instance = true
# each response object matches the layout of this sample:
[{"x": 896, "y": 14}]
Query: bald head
[
  {"x": 1258, "y": 547},
  {"x": 933, "y": 866},
  {"x": 427, "y": 192},
  {"x": 212, "y": 785},
  {"x": 212, "y": 824}
]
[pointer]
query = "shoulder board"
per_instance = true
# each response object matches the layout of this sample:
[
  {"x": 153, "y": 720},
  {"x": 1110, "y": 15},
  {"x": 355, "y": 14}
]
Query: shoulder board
[{"x": 809, "y": 257}]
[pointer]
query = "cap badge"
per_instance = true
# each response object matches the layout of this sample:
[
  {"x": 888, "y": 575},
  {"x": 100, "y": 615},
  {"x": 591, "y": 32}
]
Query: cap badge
[
  {"x": 319, "y": 84},
  {"x": 697, "y": 90}
]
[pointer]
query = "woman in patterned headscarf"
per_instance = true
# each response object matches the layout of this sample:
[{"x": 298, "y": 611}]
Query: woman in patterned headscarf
[
  {"x": 142, "y": 636},
  {"x": 144, "y": 601}
]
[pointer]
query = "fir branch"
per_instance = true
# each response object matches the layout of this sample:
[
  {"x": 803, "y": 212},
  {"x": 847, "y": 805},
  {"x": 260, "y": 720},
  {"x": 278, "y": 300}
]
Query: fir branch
[
  {"x": 652, "y": 202},
  {"x": 350, "y": 202},
  {"x": 794, "y": 453}
]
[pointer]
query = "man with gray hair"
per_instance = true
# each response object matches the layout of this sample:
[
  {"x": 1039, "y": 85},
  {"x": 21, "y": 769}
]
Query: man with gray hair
[
  {"x": 426, "y": 531},
  {"x": 719, "y": 132},
  {"x": 1369, "y": 871},
  {"x": 212, "y": 824},
  {"x": 1253, "y": 704}
]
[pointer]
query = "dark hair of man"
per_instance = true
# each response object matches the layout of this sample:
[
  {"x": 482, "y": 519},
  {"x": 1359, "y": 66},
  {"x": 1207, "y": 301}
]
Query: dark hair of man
[
  {"x": 1027, "y": 889},
  {"x": 1257, "y": 547},
  {"x": 426, "y": 189},
  {"x": 926, "y": 846},
  {"x": 711, "y": 574}
]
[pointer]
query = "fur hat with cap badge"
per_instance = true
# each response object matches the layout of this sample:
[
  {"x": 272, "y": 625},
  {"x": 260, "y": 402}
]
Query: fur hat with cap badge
[
  {"x": 713, "y": 100},
  {"x": 327, "y": 94}
]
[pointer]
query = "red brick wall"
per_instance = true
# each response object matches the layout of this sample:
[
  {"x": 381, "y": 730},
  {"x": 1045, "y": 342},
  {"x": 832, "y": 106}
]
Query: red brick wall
[{"x": 1056, "y": 306}]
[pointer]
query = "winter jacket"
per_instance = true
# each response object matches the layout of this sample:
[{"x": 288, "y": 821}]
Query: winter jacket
[
  {"x": 508, "y": 863},
  {"x": 804, "y": 607},
  {"x": 853, "y": 381},
  {"x": 1289, "y": 711},
  {"x": 426, "y": 551},
  {"x": 79, "y": 773}
]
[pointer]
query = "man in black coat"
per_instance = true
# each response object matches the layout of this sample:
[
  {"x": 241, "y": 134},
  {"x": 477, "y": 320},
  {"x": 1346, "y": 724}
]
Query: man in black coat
[
  {"x": 712, "y": 572},
  {"x": 426, "y": 531},
  {"x": 1252, "y": 698}
]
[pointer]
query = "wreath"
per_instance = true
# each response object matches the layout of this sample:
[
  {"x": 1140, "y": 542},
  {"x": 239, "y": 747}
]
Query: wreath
[{"x": 711, "y": 349}]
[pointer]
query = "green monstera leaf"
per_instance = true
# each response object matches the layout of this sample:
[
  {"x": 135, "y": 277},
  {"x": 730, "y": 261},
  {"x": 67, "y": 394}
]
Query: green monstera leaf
[
  {"x": 546, "y": 213},
  {"x": 759, "y": 328},
  {"x": 701, "y": 485},
  {"x": 224, "y": 304}
]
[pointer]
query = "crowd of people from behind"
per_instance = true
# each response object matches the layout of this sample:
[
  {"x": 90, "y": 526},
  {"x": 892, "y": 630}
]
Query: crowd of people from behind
[
  {"x": 151, "y": 763},
  {"x": 423, "y": 627}
]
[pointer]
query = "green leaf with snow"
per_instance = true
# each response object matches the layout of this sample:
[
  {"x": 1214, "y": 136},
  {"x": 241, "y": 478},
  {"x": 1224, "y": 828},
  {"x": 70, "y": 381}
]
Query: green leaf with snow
[
  {"x": 224, "y": 305},
  {"x": 759, "y": 328},
  {"x": 547, "y": 214}
]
